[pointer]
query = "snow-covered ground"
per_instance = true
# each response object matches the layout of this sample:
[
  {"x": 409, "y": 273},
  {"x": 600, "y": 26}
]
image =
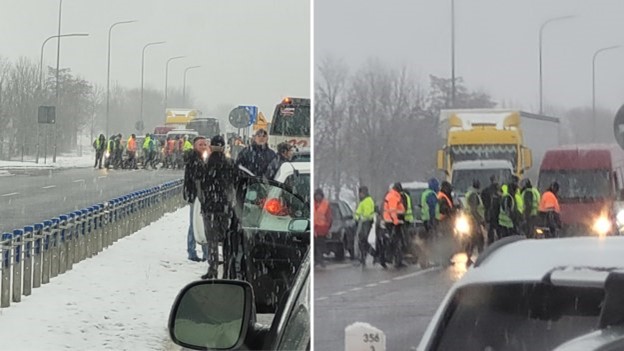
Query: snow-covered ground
[
  {"x": 117, "y": 300},
  {"x": 62, "y": 161}
]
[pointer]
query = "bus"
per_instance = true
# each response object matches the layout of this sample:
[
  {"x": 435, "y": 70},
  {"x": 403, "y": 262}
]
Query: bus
[
  {"x": 291, "y": 123},
  {"x": 591, "y": 186},
  {"x": 207, "y": 127}
]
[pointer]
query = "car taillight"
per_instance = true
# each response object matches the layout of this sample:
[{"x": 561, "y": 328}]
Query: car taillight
[{"x": 275, "y": 207}]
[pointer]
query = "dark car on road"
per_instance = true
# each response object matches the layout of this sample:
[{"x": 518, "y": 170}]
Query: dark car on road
[
  {"x": 221, "y": 314},
  {"x": 342, "y": 231}
]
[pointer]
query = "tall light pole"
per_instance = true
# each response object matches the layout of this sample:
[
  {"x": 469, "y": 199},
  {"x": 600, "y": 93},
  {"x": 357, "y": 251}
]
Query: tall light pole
[
  {"x": 541, "y": 34},
  {"x": 184, "y": 84},
  {"x": 143, "y": 74},
  {"x": 43, "y": 46},
  {"x": 167, "y": 75},
  {"x": 58, "y": 59},
  {"x": 594, "y": 86},
  {"x": 110, "y": 29},
  {"x": 452, "y": 53}
]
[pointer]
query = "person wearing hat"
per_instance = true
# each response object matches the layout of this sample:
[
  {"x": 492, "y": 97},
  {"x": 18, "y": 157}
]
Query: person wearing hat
[
  {"x": 285, "y": 152},
  {"x": 218, "y": 186},
  {"x": 257, "y": 157},
  {"x": 194, "y": 169}
]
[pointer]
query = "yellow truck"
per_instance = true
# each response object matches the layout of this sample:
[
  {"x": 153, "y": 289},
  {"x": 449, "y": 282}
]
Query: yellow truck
[
  {"x": 485, "y": 142},
  {"x": 180, "y": 117}
]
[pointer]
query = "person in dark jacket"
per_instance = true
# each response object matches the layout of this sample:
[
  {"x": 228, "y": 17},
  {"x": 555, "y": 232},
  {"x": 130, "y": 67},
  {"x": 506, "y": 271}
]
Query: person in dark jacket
[
  {"x": 285, "y": 153},
  {"x": 257, "y": 157},
  {"x": 491, "y": 203},
  {"x": 193, "y": 173},
  {"x": 218, "y": 201}
]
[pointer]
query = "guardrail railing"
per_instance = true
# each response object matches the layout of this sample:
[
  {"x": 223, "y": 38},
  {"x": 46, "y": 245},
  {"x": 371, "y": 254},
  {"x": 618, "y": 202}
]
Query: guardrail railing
[{"x": 33, "y": 255}]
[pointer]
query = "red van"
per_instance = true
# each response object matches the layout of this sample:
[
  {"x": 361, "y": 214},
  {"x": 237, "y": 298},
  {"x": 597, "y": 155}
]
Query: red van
[{"x": 591, "y": 187}]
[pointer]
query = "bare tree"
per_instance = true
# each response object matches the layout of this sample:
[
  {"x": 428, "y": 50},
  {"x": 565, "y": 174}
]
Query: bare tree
[{"x": 329, "y": 118}]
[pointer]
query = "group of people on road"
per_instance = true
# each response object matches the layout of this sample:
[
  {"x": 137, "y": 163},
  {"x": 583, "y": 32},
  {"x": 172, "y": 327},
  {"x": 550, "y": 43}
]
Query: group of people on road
[
  {"x": 111, "y": 152},
  {"x": 513, "y": 208},
  {"x": 218, "y": 182}
]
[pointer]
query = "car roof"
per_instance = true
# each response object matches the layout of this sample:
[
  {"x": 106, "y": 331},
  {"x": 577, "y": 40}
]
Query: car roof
[
  {"x": 532, "y": 259},
  {"x": 287, "y": 169}
]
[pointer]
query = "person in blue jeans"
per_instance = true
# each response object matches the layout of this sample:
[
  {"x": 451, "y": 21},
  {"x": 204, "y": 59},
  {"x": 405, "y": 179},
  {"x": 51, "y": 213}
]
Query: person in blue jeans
[{"x": 193, "y": 172}]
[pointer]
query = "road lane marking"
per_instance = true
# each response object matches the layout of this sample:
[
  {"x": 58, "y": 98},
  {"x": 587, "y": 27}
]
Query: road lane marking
[
  {"x": 100, "y": 177},
  {"x": 372, "y": 285},
  {"x": 415, "y": 274},
  {"x": 321, "y": 298},
  {"x": 49, "y": 187},
  {"x": 10, "y": 194},
  {"x": 78, "y": 180}
]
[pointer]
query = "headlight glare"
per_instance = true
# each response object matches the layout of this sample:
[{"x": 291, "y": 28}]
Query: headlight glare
[{"x": 602, "y": 226}]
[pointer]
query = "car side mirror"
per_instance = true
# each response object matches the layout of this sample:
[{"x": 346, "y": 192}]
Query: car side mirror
[
  {"x": 299, "y": 225},
  {"x": 212, "y": 314}
]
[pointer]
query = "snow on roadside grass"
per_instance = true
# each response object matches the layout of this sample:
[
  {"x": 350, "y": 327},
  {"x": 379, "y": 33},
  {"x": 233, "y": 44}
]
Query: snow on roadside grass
[
  {"x": 117, "y": 300},
  {"x": 63, "y": 161}
]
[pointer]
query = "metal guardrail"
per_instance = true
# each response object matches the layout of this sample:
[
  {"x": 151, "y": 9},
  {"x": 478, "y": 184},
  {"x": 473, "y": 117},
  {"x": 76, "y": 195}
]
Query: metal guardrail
[{"x": 31, "y": 256}]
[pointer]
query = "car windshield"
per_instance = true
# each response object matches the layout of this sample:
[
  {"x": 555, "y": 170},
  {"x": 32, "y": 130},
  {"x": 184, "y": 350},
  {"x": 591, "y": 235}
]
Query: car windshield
[
  {"x": 578, "y": 185},
  {"x": 300, "y": 184},
  {"x": 517, "y": 317},
  {"x": 291, "y": 120}
]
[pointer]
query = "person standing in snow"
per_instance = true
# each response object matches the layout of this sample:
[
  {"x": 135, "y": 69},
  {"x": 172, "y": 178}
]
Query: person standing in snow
[
  {"x": 218, "y": 199},
  {"x": 257, "y": 157},
  {"x": 193, "y": 173},
  {"x": 285, "y": 152}
]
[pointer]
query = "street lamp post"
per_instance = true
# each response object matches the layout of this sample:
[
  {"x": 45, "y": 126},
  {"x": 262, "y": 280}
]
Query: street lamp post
[
  {"x": 452, "y": 53},
  {"x": 58, "y": 59},
  {"x": 167, "y": 75},
  {"x": 594, "y": 86},
  {"x": 184, "y": 84},
  {"x": 541, "y": 33},
  {"x": 143, "y": 73},
  {"x": 43, "y": 46},
  {"x": 110, "y": 29}
]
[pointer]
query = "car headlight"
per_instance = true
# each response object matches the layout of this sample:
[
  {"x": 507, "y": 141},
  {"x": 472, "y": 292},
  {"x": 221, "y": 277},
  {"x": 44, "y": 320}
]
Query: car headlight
[
  {"x": 602, "y": 226},
  {"x": 462, "y": 226},
  {"x": 107, "y": 154}
]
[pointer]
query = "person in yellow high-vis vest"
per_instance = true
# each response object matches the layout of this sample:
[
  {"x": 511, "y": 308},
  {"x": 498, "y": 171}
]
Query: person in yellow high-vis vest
[
  {"x": 531, "y": 198},
  {"x": 476, "y": 210},
  {"x": 364, "y": 215}
]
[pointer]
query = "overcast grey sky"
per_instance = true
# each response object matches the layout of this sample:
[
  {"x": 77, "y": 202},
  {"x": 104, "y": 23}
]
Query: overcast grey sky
[
  {"x": 496, "y": 44},
  {"x": 251, "y": 51}
]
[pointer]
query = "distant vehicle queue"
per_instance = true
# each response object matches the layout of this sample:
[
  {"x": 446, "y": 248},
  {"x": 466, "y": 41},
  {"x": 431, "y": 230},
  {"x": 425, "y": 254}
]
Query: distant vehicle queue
[{"x": 578, "y": 193}]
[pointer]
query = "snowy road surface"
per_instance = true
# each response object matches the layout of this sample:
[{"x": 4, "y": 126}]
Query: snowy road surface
[{"x": 117, "y": 300}]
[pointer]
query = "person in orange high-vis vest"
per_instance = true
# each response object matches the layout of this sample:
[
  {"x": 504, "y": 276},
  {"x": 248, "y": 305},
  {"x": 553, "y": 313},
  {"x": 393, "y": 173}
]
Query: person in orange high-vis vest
[
  {"x": 394, "y": 209},
  {"x": 131, "y": 146},
  {"x": 322, "y": 224},
  {"x": 549, "y": 209}
]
